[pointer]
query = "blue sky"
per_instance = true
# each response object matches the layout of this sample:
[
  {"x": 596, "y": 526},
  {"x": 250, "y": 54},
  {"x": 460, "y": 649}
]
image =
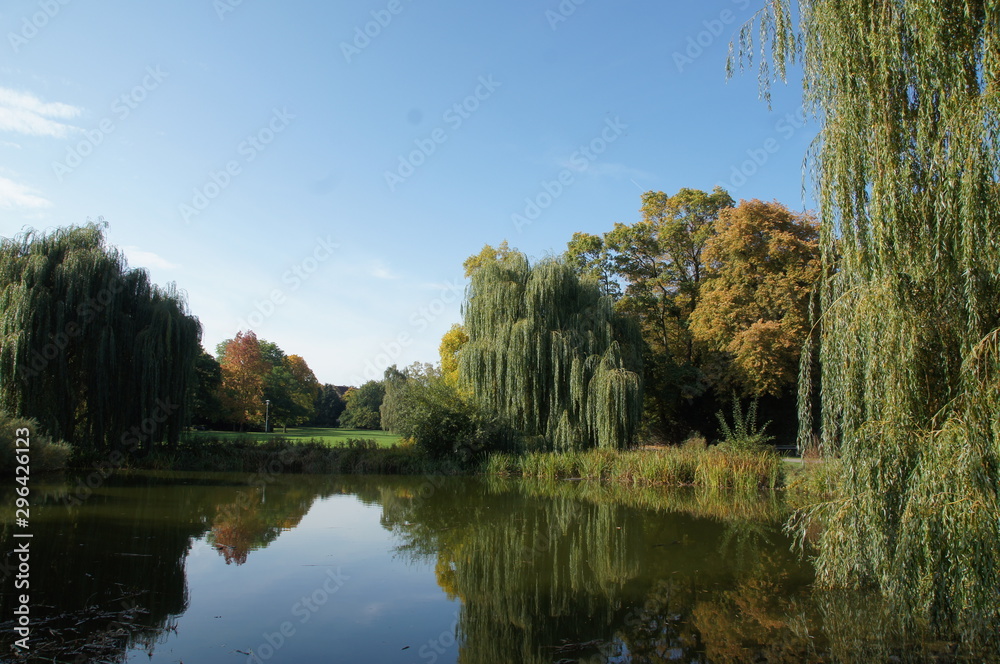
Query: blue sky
[{"x": 318, "y": 172}]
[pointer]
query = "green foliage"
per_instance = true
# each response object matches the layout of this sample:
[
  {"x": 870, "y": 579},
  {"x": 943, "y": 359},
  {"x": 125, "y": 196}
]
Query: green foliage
[
  {"x": 205, "y": 403},
  {"x": 362, "y": 406},
  {"x": 659, "y": 262},
  {"x": 906, "y": 166},
  {"x": 328, "y": 406},
  {"x": 424, "y": 406},
  {"x": 90, "y": 348},
  {"x": 743, "y": 434},
  {"x": 44, "y": 454},
  {"x": 548, "y": 355}
]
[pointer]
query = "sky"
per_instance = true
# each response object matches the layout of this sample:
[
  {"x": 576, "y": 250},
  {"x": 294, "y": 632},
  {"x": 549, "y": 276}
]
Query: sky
[{"x": 318, "y": 172}]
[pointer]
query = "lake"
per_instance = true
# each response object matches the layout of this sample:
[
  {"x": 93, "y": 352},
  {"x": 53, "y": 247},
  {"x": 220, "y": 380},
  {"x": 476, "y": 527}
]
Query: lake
[{"x": 199, "y": 567}]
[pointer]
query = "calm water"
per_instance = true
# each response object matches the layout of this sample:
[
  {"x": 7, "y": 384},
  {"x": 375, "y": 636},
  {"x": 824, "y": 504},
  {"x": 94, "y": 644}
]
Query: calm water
[{"x": 171, "y": 567}]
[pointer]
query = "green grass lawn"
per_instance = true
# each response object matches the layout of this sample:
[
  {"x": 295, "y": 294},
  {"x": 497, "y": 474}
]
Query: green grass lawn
[{"x": 329, "y": 436}]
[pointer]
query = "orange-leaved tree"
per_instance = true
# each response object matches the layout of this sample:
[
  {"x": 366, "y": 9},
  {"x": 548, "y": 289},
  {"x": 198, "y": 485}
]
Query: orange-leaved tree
[
  {"x": 243, "y": 369},
  {"x": 763, "y": 262}
]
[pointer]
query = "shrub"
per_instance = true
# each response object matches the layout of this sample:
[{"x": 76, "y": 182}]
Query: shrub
[
  {"x": 44, "y": 454},
  {"x": 744, "y": 433}
]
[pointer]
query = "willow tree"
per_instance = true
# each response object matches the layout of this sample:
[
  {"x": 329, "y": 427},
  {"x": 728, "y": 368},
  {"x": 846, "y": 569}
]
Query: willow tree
[
  {"x": 907, "y": 161},
  {"x": 547, "y": 353},
  {"x": 99, "y": 355}
]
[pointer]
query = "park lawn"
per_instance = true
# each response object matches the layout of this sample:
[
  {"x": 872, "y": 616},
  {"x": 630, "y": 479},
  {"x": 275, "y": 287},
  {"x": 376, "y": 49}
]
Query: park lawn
[{"x": 331, "y": 436}]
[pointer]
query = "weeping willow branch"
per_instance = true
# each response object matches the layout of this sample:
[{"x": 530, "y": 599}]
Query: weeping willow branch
[
  {"x": 906, "y": 166},
  {"x": 92, "y": 349},
  {"x": 547, "y": 352}
]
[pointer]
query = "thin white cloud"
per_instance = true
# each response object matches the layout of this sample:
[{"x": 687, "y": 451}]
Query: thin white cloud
[
  {"x": 16, "y": 195},
  {"x": 380, "y": 271},
  {"x": 24, "y": 113},
  {"x": 141, "y": 258}
]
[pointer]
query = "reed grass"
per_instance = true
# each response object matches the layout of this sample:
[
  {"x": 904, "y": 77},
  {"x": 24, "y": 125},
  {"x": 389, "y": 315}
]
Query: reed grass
[{"x": 689, "y": 465}]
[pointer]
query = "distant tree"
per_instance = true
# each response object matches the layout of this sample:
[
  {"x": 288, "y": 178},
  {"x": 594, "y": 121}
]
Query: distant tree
[
  {"x": 328, "y": 406},
  {"x": 591, "y": 257},
  {"x": 763, "y": 263},
  {"x": 243, "y": 371},
  {"x": 206, "y": 408},
  {"x": 283, "y": 391},
  {"x": 451, "y": 344},
  {"x": 488, "y": 255},
  {"x": 548, "y": 355},
  {"x": 362, "y": 406}
]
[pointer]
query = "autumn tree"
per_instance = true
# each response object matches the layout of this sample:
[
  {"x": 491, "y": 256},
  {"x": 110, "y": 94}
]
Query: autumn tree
[
  {"x": 243, "y": 371},
  {"x": 659, "y": 263},
  {"x": 451, "y": 345},
  {"x": 487, "y": 256},
  {"x": 762, "y": 263}
]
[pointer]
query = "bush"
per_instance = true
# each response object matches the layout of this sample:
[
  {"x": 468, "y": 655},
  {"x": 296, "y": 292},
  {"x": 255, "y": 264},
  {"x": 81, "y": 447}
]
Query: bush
[
  {"x": 744, "y": 434},
  {"x": 421, "y": 405},
  {"x": 43, "y": 453}
]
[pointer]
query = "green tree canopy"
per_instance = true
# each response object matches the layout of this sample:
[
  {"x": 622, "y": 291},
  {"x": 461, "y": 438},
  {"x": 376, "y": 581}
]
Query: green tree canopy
[
  {"x": 362, "y": 406},
  {"x": 93, "y": 350},
  {"x": 547, "y": 353}
]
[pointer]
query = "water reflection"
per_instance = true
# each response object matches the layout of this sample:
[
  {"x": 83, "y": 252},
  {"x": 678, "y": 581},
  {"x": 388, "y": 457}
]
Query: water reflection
[{"x": 544, "y": 572}]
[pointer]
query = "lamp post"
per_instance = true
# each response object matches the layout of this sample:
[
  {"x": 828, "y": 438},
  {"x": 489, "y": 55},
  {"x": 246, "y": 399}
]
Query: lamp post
[{"x": 267, "y": 413}]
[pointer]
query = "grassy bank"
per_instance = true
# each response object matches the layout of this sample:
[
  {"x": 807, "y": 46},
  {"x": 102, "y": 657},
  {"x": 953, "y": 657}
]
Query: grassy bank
[
  {"x": 281, "y": 455},
  {"x": 328, "y": 435},
  {"x": 689, "y": 465}
]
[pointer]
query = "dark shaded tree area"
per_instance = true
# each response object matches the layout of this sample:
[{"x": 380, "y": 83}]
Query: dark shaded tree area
[{"x": 98, "y": 354}]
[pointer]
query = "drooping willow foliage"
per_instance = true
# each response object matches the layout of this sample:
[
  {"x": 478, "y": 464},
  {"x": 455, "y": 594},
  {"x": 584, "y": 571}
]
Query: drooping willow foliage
[
  {"x": 548, "y": 354},
  {"x": 93, "y": 350},
  {"x": 907, "y": 94}
]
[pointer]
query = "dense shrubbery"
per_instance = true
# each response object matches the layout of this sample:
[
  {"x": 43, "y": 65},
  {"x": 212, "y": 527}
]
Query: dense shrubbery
[
  {"x": 423, "y": 406},
  {"x": 44, "y": 454},
  {"x": 281, "y": 455}
]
